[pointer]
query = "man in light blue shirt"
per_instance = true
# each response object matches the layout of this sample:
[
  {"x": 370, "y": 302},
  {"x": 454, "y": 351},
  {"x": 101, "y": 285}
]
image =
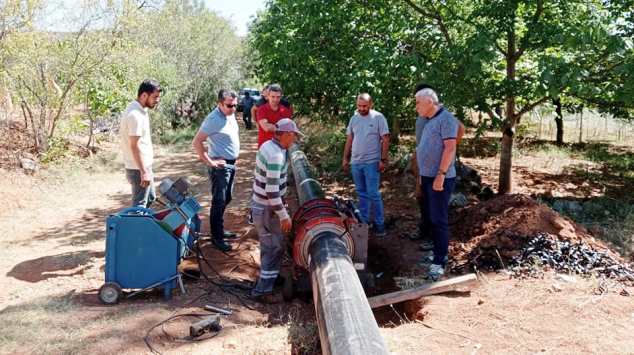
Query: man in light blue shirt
[
  {"x": 220, "y": 130},
  {"x": 366, "y": 151}
]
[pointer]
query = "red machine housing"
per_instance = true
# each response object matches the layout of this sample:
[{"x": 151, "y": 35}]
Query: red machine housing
[{"x": 311, "y": 219}]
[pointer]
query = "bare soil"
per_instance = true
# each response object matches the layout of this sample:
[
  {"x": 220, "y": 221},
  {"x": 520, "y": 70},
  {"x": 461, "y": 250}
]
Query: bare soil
[{"x": 52, "y": 259}]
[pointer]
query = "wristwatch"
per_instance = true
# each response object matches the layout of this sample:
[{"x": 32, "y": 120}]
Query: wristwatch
[{"x": 440, "y": 172}]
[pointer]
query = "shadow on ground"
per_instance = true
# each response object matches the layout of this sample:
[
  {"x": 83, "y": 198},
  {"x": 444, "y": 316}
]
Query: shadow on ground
[{"x": 60, "y": 265}]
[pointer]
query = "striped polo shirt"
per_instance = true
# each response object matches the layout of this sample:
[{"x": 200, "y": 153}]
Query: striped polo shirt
[{"x": 269, "y": 184}]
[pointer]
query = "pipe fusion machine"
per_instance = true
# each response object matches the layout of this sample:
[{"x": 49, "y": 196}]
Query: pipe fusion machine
[{"x": 144, "y": 247}]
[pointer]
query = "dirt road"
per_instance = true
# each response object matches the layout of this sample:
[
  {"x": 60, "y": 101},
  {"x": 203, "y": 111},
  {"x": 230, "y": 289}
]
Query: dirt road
[{"x": 51, "y": 265}]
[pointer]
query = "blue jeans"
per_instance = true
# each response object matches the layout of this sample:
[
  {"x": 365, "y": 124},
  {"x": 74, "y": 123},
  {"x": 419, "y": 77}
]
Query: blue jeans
[
  {"x": 437, "y": 214},
  {"x": 141, "y": 196},
  {"x": 367, "y": 180},
  {"x": 221, "y": 190}
]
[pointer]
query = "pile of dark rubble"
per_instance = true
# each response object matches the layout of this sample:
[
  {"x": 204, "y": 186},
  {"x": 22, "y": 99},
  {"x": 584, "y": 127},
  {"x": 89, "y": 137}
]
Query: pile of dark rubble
[{"x": 545, "y": 251}]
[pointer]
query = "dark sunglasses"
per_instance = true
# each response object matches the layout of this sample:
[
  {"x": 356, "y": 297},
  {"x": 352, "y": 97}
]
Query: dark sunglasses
[{"x": 231, "y": 106}]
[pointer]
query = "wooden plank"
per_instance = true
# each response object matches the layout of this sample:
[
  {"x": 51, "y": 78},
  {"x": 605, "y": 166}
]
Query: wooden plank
[{"x": 452, "y": 284}]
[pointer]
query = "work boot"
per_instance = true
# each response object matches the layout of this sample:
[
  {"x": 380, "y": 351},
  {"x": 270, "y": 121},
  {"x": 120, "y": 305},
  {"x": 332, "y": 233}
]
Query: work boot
[
  {"x": 229, "y": 235},
  {"x": 221, "y": 245},
  {"x": 379, "y": 231}
]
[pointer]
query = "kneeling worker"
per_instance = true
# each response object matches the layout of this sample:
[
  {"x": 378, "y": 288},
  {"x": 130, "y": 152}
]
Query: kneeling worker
[{"x": 270, "y": 216}]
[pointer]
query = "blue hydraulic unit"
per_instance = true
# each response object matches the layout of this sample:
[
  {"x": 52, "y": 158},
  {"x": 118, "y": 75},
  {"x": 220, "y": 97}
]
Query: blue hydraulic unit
[{"x": 144, "y": 246}]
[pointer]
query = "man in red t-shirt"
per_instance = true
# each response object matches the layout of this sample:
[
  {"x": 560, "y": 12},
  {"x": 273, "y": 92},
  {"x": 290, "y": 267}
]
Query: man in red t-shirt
[{"x": 268, "y": 114}]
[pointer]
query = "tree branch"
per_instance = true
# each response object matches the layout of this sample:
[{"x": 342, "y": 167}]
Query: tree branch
[
  {"x": 524, "y": 42},
  {"x": 434, "y": 16},
  {"x": 499, "y": 48},
  {"x": 531, "y": 106}
]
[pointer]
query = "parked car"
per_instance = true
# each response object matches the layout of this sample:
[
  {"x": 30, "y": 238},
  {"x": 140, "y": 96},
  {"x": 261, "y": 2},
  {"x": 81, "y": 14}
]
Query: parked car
[{"x": 254, "y": 93}]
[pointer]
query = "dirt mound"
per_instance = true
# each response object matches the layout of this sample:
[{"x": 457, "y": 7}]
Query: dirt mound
[
  {"x": 488, "y": 234},
  {"x": 14, "y": 143}
]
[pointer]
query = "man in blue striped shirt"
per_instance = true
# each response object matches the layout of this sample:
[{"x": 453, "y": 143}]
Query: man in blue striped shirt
[{"x": 270, "y": 216}]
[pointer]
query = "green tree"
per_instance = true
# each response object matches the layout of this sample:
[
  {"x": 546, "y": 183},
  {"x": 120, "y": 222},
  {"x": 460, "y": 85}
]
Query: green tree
[
  {"x": 325, "y": 53},
  {"x": 523, "y": 54},
  {"x": 196, "y": 54}
]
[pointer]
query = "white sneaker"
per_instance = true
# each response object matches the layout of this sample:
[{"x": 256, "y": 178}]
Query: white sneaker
[
  {"x": 429, "y": 258},
  {"x": 435, "y": 272}
]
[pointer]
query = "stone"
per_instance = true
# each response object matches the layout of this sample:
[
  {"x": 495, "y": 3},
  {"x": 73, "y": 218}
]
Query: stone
[
  {"x": 565, "y": 278},
  {"x": 230, "y": 344},
  {"x": 574, "y": 206},
  {"x": 458, "y": 200},
  {"x": 29, "y": 165}
]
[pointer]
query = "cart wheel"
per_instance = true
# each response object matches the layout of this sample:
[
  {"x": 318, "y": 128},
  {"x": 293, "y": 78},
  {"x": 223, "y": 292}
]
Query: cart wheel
[{"x": 110, "y": 293}]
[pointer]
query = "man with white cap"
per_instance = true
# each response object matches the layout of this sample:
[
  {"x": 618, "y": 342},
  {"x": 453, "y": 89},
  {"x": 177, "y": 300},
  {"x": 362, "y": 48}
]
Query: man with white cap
[{"x": 270, "y": 217}]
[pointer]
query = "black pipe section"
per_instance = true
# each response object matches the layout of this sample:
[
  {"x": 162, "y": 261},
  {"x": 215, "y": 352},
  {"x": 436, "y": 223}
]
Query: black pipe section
[
  {"x": 307, "y": 187},
  {"x": 345, "y": 319}
]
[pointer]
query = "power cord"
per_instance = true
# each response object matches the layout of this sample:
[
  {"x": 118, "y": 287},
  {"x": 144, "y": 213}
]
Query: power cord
[{"x": 188, "y": 338}]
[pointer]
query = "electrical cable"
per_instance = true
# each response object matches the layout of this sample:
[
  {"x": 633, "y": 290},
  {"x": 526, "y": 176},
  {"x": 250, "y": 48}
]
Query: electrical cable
[
  {"x": 223, "y": 286},
  {"x": 161, "y": 324}
]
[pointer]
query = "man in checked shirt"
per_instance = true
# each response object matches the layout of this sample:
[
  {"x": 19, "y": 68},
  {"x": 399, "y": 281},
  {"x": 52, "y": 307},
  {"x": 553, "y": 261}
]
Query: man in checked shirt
[{"x": 270, "y": 217}]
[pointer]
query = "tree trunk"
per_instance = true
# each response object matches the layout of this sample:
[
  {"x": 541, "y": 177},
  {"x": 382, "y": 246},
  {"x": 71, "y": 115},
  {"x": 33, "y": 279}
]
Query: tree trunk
[
  {"x": 581, "y": 126},
  {"x": 506, "y": 162},
  {"x": 396, "y": 130},
  {"x": 559, "y": 121}
]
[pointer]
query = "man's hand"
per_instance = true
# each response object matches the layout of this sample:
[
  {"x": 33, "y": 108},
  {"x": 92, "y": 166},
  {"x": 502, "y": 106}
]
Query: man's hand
[
  {"x": 438, "y": 182},
  {"x": 215, "y": 164},
  {"x": 286, "y": 225},
  {"x": 382, "y": 165},
  {"x": 345, "y": 164},
  {"x": 146, "y": 178}
]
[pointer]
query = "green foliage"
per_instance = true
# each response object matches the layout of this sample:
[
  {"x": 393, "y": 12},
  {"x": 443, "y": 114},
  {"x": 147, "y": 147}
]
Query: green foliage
[
  {"x": 504, "y": 56},
  {"x": 179, "y": 136},
  {"x": 100, "y": 64},
  {"x": 193, "y": 57},
  {"x": 58, "y": 150},
  {"x": 325, "y": 53},
  {"x": 324, "y": 147},
  {"x": 620, "y": 163}
]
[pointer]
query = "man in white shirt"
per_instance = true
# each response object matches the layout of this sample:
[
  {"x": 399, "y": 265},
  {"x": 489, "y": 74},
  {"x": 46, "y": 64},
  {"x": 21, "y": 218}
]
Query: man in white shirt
[{"x": 136, "y": 143}]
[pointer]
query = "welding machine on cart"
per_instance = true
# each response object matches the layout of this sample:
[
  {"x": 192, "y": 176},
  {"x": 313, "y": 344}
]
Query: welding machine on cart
[{"x": 144, "y": 247}]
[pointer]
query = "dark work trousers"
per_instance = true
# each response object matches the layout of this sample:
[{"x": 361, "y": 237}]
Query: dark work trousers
[
  {"x": 423, "y": 226},
  {"x": 221, "y": 190},
  {"x": 437, "y": 211},
  {"x": 246, "y": 117}
]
